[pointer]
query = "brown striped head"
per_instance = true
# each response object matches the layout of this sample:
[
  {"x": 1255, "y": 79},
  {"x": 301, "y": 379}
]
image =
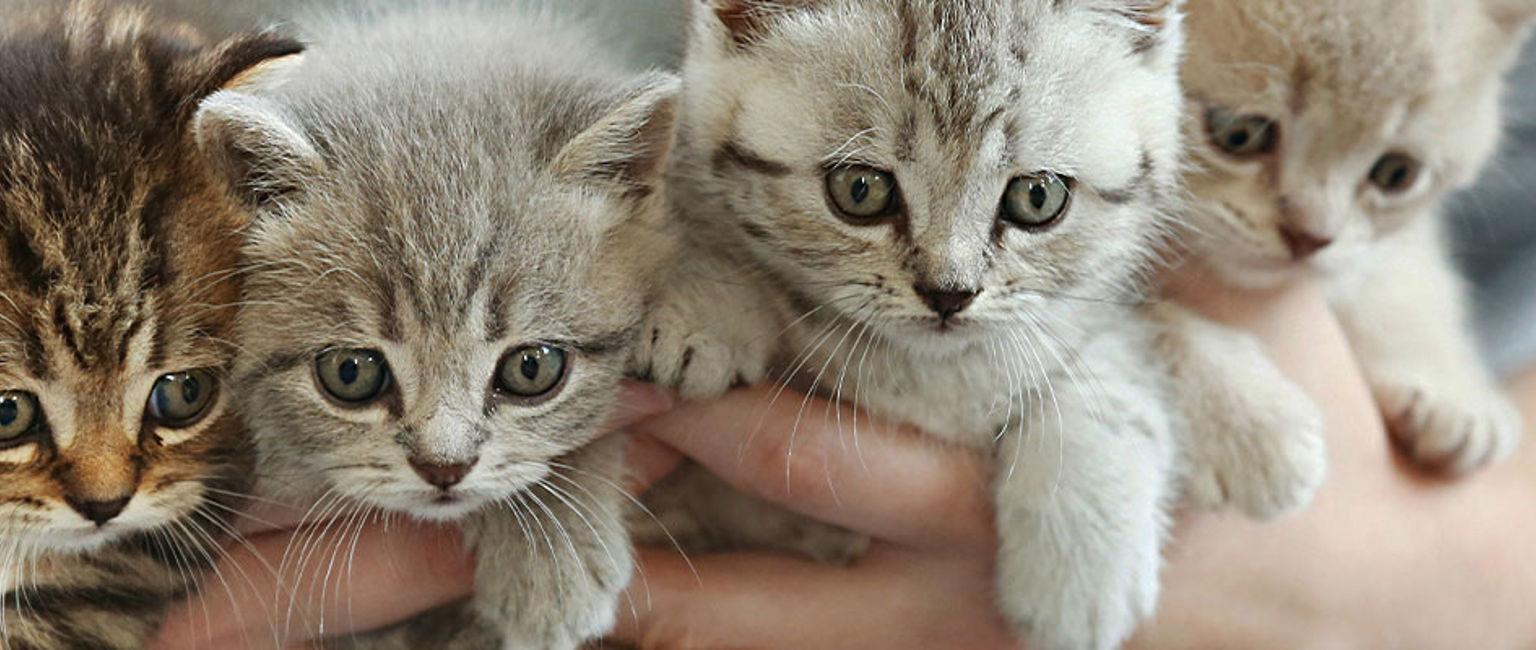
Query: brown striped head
[
  {"x": 942, "y": 171},
  {"x": 117, "y": 275}
]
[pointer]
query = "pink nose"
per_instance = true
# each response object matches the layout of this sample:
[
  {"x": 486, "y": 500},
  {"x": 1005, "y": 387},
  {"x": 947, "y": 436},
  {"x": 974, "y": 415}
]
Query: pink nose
[
  {"x": 1303, "y": 244},
  {"x": 443, "y": 476}
]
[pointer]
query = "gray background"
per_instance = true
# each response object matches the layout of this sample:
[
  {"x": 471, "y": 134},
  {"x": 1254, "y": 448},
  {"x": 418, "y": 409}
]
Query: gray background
[{"x": 1495, "y": 229}]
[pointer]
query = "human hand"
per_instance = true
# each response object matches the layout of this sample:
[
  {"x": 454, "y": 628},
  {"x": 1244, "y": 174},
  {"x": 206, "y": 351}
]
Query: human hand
[{"x": 1385, "y": 558}]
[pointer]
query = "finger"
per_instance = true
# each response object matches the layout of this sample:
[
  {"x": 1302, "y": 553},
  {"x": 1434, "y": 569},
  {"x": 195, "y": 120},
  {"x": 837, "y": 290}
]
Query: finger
[
  {"x": 389, "y": 574},
  {"x": 638, "y": 401},
  {"x": 894, "y": 600},
  {"x": 649, "y": 460},
  {"x": 835, "y": 465}
]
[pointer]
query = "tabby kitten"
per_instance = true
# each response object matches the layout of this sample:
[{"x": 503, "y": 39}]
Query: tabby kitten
[
  {"x": 458, "y": 215},
  {"x": 1325, "y": 135},
  {"x": 945, "y": 206},
  {"x": 120, "y": 459}
]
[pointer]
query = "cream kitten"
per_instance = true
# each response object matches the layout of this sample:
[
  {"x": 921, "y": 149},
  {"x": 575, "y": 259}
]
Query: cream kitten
[
  {"x": 458, "y": 220},
  {"x": 1325, "y": 134},
  {"x": 944, "y": 206}
]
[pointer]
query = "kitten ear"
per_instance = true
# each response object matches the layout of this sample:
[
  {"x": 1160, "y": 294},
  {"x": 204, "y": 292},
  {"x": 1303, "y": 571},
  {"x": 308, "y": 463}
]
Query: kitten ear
[
  {"x": 249, "y": 63},
  {"x": 746, "y": 19},
  {"x": 1156, "y": 15},
  {"x": 628, "y": 148},
  {"x": 1514, "y": 15},
  {"x": 254, "y": 145}
]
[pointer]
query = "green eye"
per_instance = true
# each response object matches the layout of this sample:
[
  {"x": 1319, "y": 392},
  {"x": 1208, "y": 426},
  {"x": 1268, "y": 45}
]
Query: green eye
[
  {"x": 1241, "y": 136},
  {"x": 862, "y": 193},
  {"x": 18, "y": 415},
  {"x": 353, "y": 376},
  {"x": 180, "y": 400},
  {"x": 1037, "y": 201},
  {"x": 1395, "y": 173},
  {"x": 533, "y": 371}
]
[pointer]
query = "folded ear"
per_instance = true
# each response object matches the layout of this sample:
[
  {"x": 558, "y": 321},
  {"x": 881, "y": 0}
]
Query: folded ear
[
  {"x": 256, "y": 146},
  {"x": 627, "y": 150}
]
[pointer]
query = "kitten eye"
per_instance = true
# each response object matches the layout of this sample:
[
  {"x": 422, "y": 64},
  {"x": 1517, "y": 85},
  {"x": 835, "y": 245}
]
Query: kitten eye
[
  {"x": 18, "y": 415},
  {"x": 1241, "y": 136},
  {"x": 862, "y": 193},
  {"x": 533, "y": 371},
  {"x": 1037, "y": 201},
  {"x": 1395, "y": 173},
  {"x": 180, "y": 400},
  {"x": 353, "y": 376}
]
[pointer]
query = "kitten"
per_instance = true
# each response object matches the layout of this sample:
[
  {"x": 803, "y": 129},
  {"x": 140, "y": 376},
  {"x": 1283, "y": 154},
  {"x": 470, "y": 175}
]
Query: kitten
[
  {"x": 946, "y": 207},
  {"x": 458, "y": 215},
  {"x": 1325, "y": 136},
  {"x": 120, "y": 459}
]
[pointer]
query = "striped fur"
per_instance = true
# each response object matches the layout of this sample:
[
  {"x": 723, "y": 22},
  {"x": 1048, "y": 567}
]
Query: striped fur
[{"x": 117, "y": 268}]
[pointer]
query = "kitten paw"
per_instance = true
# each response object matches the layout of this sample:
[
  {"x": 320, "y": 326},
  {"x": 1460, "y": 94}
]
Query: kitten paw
[
  {"x": 1448, "y": 430},
  {"x": 1097, "y": 606},
  {"x": 704, "y": 348},
  {"x": 1266, "y": 455}
]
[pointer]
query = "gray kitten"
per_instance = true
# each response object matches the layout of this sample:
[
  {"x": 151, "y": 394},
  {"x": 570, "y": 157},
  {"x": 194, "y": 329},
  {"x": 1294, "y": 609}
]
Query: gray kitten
[
  {"x": 457, "y": 223},
  {"x": 945, "y": 207}
]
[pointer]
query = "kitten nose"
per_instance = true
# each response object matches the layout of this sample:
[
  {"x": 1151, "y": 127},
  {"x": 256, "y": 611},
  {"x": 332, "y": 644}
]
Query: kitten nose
[
  {"x": 946, "y": 302},
  {"x": 1303, "y": 244},
  {"x": 100, "y": 512},
  {"x": 443, "y": 476}
]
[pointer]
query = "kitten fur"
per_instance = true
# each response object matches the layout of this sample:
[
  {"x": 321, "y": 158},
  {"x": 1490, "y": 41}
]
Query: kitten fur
[
  {"x": 444, "y": 187},
  {"x": 1050, "y": 365},
  {"x": 118, "y": 268},
  {"x": 1346, "y": 83}
]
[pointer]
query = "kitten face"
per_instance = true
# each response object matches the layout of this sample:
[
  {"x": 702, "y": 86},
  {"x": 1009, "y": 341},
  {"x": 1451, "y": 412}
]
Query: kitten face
[
  {"x": 938, "y": 170},
  {"x": 117, "y": 281},
  {"x": 445, "y": 299},
  {"x": 1319, "y": 127}
]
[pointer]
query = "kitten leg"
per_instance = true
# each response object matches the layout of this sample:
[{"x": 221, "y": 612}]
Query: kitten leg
[
  {"x": 1405, "y": 319},
  {"x": 1080, "y": 497},
  {"x": 551, "y": 570},
  {"x": 1255, "y": 440},
  {"x": 711, "y": 329}
]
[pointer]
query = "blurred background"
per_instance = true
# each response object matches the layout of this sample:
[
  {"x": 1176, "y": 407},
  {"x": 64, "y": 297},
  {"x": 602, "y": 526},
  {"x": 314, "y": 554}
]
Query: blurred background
[{"x": 1495, "y": 229}]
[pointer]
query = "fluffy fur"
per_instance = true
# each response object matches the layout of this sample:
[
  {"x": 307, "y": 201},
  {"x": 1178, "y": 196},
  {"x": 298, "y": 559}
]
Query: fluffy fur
[
  {"x": 1346, "y": 83},
  {"x": 1047, "y": 362},
  {"x": 118, "y": 269},
  {"x": 445, "y": 187}
]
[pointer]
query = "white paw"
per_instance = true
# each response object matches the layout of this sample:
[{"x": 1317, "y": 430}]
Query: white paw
[
  {"x": 703, "y": 350},
  {"x": 1449, "y": 429},
  {"x": 1078, "y": 603},
  {"x": 1264, "y": 455}
]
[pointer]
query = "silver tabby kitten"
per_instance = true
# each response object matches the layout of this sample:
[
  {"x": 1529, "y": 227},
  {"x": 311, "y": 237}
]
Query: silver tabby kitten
[
  {"x": 945, "y": 207},
  {"x": 458, "y": 215}
]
